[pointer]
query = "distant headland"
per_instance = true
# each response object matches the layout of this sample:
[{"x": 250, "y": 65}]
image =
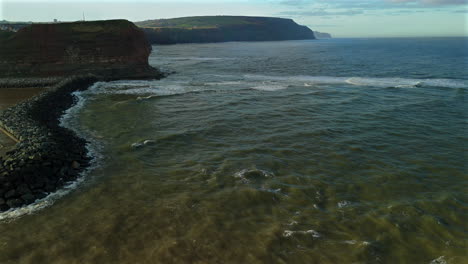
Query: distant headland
[
  {"x": 322, "y": 35},
  {"x": 203, "y": 29}
]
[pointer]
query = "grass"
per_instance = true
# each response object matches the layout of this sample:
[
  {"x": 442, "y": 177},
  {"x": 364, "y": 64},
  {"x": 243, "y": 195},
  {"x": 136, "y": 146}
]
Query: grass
[{"x": 204, "y": 22}]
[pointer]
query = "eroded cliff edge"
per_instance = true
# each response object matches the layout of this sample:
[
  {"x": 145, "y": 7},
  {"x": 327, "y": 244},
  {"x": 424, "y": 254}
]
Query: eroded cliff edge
[{"x": 110, "y": 49}]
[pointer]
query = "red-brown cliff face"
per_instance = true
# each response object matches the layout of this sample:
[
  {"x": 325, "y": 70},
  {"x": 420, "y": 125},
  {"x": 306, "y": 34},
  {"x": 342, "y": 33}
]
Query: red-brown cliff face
[{"x": 111, "y": 49}]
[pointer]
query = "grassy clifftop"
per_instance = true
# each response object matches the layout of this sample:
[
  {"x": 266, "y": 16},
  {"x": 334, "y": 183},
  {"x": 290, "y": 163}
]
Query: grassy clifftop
[
  {"x": 208, "y": 22},
  {"x": 223, "y": 28}
]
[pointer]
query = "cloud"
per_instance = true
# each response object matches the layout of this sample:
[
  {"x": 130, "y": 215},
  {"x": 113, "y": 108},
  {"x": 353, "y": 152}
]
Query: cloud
[
  {"x": 294, "y": 2},
  {"x": 377, "y": 4},
  {"x": 327, "y": 25},
  {"x": 430, "y": 3},
  {"x": 333, "y": 8},
  {"x": 321, "y": 12}
]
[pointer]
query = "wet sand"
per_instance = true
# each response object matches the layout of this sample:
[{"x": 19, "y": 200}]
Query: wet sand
[{"x": 9, "y": 97}]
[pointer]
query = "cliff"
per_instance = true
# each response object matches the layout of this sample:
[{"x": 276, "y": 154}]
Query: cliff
[
  {"x": 109, "y": 49},
  {"x": 322, "y": 35},
  {"x": 222, "y": 29}
]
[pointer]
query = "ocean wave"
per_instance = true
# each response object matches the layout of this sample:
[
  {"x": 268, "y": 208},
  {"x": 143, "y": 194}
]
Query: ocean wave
[
  {"x": 269, "y": 87},
  {"x": 395, "y": 82},
  {"x": 194, "y": 58},
  {"x": 247, "y": 175},
  {"x": 44, "y": 202},
  {"x": 147, "y": 89},
  {"x": 342, "y": 204},
  {"x": 313, "y": 233},
  {"x": 355, "y": 242}
]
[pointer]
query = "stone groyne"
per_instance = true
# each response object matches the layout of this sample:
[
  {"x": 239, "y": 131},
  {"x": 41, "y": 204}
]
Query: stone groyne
[
  {"x": 47, "y": 155},
  {"x": 29, "y": 82}
]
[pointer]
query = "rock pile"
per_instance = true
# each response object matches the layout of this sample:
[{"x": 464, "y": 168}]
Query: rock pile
[
  {"x": 29, "y": 82},
  {"x": 48, "y": 155}
]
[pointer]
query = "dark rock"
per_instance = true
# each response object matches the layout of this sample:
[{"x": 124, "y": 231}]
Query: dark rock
[
  {"x": 50, "y": 188},
  {"x": 28, "y": 198},
  {"x": 14, "y": 202},
  {"x": 4, "y": 207},
  {"x": 75, "y": 164},
  {"x": 40, "y": 194},
  {"x": 37, "y": 185},
  {"x": 23, "y": 189},
  {"x": 11, "y": 194}
]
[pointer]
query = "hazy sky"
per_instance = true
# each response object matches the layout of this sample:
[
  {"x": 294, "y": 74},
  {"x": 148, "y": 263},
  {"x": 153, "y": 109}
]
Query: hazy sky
[{"x": 342, "y": 18}]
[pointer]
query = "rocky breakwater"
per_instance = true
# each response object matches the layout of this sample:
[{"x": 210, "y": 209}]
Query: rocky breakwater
[
  {"x": 48, "y": 155},
  {"x": 108, "y": 49},
  {"x": 70, "y": 57}
]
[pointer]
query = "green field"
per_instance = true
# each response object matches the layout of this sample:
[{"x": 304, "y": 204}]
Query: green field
[{"x": 204, "y": 22}]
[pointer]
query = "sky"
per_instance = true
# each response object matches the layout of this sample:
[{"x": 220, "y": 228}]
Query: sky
[{"x": 341, "y": 18}]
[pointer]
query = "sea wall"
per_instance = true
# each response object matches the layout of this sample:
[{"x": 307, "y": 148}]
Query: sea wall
[
  {"x": 48, "y": 155},
  {"x": 29, "y": 82}
]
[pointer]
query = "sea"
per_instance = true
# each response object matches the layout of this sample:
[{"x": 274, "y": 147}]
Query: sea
[{"x": 314, "y": 151}]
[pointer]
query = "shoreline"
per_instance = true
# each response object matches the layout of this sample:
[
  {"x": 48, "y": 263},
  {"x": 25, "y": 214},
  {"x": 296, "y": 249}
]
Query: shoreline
[{"x": 48, "y": 156}]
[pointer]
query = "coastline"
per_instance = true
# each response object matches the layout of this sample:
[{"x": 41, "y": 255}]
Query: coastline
[{"x": 48, "y": 156}]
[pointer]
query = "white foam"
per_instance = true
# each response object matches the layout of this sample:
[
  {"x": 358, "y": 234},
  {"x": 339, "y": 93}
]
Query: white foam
[
  {"x": 355, "y": 242},
  {"x": 342, "y": 204},
  {"x": 147, "y": 142},
  {"x": 307, "y": 81},
  {"x": 269, "y": 87},
  {"x": 194, "y": 58},
  {"x": 289, "y": 233},
  {"x": 245, "y": 173},
  {"x": 148, "y": 89},
  {"x": 439, "y": 260}
]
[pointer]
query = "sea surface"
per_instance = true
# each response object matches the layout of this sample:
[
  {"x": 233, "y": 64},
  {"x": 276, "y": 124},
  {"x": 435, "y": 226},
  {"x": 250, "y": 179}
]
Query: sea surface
[{"x": 327, "y": 151}]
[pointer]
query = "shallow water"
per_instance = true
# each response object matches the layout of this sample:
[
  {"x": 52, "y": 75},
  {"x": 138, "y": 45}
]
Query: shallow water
[{"x": 336, "y": 151}]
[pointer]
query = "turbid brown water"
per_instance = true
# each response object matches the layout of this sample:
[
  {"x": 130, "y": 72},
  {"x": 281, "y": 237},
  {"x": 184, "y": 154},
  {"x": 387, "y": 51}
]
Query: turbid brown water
[{"x": 284, "y": 152}]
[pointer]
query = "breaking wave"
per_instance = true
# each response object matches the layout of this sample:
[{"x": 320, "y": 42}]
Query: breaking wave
[
  {"x": 362, "y": 81},
  {"x": 147, "y": 89}
]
